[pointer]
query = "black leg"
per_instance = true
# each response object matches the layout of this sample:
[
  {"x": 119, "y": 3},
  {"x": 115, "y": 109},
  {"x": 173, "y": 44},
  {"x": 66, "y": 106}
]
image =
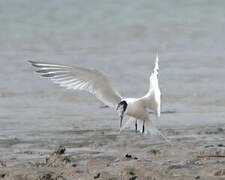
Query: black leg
[
  {"x": 143, "y": 127},
  {"x": 136, "y": 126}
]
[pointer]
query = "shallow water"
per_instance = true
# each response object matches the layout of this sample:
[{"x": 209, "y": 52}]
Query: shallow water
[{"x": 120, "y": 39}]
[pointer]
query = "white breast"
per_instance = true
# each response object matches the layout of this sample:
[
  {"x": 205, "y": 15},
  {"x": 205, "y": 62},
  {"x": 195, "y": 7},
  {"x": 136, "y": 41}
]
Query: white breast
[{"x": 136, "y": 109}]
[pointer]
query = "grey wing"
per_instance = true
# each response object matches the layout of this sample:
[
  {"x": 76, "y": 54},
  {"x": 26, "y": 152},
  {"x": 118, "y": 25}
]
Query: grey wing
[{"x": 78, "y": 78}]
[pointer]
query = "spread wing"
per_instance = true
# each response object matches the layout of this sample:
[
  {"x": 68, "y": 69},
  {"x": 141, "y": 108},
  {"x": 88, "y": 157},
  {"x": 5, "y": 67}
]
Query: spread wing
[{"x": 78, "y": 78}]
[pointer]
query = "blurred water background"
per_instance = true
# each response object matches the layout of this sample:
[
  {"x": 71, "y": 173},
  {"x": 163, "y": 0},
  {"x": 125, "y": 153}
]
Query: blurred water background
[{"x": 121, "y": 39}]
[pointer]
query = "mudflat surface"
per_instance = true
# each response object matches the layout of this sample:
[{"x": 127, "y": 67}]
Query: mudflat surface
[
  {"x": 121, "y": 39},
  {"x": 195, "y": 153}
]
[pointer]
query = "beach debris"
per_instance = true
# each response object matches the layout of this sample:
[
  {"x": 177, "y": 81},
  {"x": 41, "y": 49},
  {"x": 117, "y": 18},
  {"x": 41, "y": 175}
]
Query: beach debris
[
  {"x": 212, "y": 131},
  {"x": 189, "y": 165},
  {"x": 220, "y": 129},
  {"x": 3, "y": 175},
  {"x": 156, "y": 152},
  {"x": 61, "y": 150},
  {"x": 197, "y": 177},
  {"x": 133, "y": 175},
  {"x": 74, "y": 165},
  {"x": 66, "y": 159},
  {"x": 209, "y": 146},
  {"x": 128, "y": 156},
  {"x": 57, "y": 158},
  {"x": 218, "y": 145},
  {"x": 210, "y": 156},
  {"x": 103, "y": 107},
  {"x": 128, "y": 174},
  {"x": 97, "y": 175},
  {"x": 221, "y": 145},
  {"x": 79, "y": 171},
  {"x": 47, "y": 176},
  {"x": 50, "y": 176},
  {"x": 221, "y": 172},
  {"x": 30, "y": 152}
]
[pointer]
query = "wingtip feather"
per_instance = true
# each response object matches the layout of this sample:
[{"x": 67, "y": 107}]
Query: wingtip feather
[
  {"x": 30, "y": 61},
  {"x": 33, "y": 63}
]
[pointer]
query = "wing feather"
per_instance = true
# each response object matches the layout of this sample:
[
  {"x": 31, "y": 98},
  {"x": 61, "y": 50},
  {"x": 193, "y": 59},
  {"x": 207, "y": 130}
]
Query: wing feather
[
  {"x": 78, "y": 78},
  {"x": 152, "y": 100}
]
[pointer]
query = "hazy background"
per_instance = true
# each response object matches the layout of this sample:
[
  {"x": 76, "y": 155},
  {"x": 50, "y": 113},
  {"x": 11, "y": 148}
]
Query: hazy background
[{"x": 121, "y": 39}]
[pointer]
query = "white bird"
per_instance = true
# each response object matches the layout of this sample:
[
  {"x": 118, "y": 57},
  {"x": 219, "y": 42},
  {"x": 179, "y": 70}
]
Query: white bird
[{"x": 96, "y": 83}]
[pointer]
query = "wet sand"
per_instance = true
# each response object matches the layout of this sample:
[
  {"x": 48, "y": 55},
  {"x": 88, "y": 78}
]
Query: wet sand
[
  {"x": 119, "y": 38},
  {"x": 195, "y": 153}
]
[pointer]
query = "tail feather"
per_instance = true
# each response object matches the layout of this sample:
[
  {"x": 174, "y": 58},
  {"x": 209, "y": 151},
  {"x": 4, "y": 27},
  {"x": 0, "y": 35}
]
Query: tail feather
[{"x": 150, "y": 128}]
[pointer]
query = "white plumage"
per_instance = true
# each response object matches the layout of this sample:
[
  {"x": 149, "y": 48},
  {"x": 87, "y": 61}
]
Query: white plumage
[
  {"x": 137, "y": 107},
  {"x": 96, "y": 83},
  {"x": 78, "y": 78}
]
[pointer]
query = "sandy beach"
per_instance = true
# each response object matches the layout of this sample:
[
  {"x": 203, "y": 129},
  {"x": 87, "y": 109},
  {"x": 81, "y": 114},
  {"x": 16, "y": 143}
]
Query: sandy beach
[
  {"x": 120, "y": 39},
  {"x": 126, "y": 156}
]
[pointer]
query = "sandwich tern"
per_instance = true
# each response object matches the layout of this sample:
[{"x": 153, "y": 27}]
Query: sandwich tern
[{"x": 96, "y": 83}]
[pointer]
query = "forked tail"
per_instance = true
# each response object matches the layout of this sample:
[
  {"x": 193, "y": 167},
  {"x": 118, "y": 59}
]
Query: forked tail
[{"x": 151, "y": 129}]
